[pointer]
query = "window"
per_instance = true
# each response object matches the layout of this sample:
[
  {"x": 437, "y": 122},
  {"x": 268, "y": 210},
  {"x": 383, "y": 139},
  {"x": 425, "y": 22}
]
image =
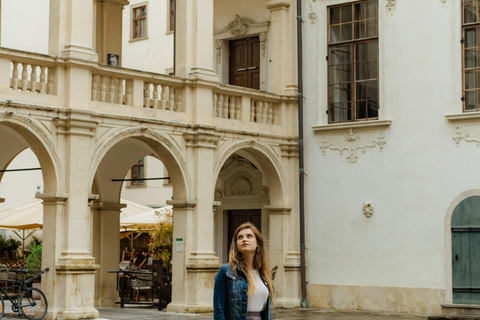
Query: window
[
  {"x": 353, "y": 61},
  {"x": 171, "y": 17},
  {"x": 138, "y": 172},
  {"x": 471, "y": 54},
  {"x": 140, "y": 22}
]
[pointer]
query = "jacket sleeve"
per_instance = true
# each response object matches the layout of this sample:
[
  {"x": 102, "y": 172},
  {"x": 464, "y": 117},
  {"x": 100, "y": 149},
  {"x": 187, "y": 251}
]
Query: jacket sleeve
[{"x": 220, "y": 295}]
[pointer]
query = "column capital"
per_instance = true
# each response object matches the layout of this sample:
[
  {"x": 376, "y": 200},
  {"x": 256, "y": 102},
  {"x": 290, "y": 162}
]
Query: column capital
[
  {"x": 277, "y": 4},
  {"x": 52, "y": 197},
  {"x": 186, "y": 204},
  {"x": 278, "y": 209},
  {"x": 108, "y": 206},
  {"x": 202, "y": 138}
]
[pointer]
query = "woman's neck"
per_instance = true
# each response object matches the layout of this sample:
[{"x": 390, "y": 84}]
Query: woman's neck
[{"x": 248, "y": 258}]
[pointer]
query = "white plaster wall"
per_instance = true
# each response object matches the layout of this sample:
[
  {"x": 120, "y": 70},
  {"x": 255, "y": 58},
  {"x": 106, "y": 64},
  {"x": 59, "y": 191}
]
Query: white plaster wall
[
  {"x": 225, "y": 12},
  {"x": 154, "y": 53},
  {"x": 24, "y": 25},
  {"x": 413, "y": 181}
]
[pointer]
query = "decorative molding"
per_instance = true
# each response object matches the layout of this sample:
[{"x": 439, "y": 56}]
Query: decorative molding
[
  {"x": 201, "y": 139},
  {"x": 218, "y": 47},
  {"x": 356, "y": 125},
  {"x": 239, "y": 25},
  {"x": 463, "y": 134},
  {"x": 277, "y": 4},
  {"x": 353, "y": 148},
  {"x": 289, "y": 149},
  {"x": 263, "y": 42},
  {"x": 368, "y": 209},
  {"x": 390, "y": 6},
  {"x": 312, "y": 15}
]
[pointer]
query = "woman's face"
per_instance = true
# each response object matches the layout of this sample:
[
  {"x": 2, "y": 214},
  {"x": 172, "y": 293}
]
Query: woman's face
[{"x": 246, "y": 241}]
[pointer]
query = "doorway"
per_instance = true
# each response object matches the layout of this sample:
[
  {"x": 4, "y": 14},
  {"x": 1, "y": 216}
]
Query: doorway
[
  {"x": 466, "y": 251},
  {"x": 244, "y": 67},
  {"x": 237, "y": 217}
]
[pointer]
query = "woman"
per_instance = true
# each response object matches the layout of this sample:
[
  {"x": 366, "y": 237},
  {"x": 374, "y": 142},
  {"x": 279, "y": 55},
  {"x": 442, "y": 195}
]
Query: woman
[{"x": 243, "y": 287}]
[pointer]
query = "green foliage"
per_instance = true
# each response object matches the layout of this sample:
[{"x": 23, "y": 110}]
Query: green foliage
[
  {"x": 35, "y": 240},
  {"x": 161, "y": 237},
  {"x": 9, "y": 246},
  {"x": 34, "y": 259}
]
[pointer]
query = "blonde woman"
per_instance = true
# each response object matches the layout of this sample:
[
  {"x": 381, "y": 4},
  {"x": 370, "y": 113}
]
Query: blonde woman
[{"x": 243, "y": 287}]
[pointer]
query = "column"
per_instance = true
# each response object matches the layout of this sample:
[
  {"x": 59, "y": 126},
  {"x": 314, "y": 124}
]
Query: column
[
  {"x": 71, "y": 38},
  {"x": 106, "y": 250},
  {"x": 201, "y": 264},
  {"x": 194, "y": 40},
  {"x": 282, "y": 39},
  {"x": 71, "y": 225}
]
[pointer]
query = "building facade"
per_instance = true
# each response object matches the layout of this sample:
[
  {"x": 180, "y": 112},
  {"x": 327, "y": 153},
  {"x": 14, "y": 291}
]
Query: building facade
[
  {"x": 223, "y": 127},
  {"x": 391, "y": 132}
]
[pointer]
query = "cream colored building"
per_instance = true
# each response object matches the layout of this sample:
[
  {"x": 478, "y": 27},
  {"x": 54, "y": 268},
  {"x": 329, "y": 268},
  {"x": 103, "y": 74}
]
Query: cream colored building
[
  {"x": 392, "y": 189},
  {"x": 230, "y": 150}
]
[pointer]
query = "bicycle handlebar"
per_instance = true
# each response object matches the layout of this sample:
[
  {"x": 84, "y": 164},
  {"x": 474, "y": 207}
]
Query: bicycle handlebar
[{"x": 36, "y": 276}]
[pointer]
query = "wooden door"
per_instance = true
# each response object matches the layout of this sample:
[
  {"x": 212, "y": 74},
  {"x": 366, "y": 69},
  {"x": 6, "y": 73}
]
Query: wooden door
[
  {"x": 245, "y": 63},
  {"x": 466, "y": 251},
  {"x": 237, "y": 217}
]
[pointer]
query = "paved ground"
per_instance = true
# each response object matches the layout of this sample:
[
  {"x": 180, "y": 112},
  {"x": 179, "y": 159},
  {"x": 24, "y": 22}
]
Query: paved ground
[{"x": 277, "y": 314}]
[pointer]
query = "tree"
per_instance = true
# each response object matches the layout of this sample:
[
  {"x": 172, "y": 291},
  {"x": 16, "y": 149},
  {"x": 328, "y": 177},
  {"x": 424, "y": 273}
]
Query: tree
[{"x": 161, "y": 238}]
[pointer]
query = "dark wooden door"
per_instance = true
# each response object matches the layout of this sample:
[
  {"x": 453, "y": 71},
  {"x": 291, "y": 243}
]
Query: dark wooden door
[
  {"x": 466, "y": 251},
  {"x": 245, "y": 63},
  {"x": 237, "y": 217}
]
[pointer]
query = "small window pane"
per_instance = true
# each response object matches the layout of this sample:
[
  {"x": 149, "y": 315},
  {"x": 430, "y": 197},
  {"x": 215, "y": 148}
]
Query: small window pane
[
  {"x": 359, "y": 10},
  {"x": 361, "y": 110},
  {"x": 372, "y": 109},
  {"x": 470, "y": 1},
  {"x": 372, "y": 89},
  {"x": 335, "y": 15},
  {"x": 346, "y": 92},
  {"x": 346, "y": 111},
  {"x": 470, "y": 36},
  {"x": 361, "y": 70},
  {"x": 137, "y": 13},
  {"x": 470, "y": 58},
  {"x": 361, "y": 51},
  {"x": 371, "y": 28},
  {"x": 347, "y": 31},
  {"x": 372, "y": 50},
  {"x": 334, "y": 34},
  {"x": 470, "y": 13},
  {"x": 372, "y": 69},
  {"x": 359, "y": 30},
  {"x": 144, "y": 28},
  {"x": 471, "y": 102},
  {"x": 335, "y": 93},
  {"x": 346, "y": 14},
  {"x": 371, "y": 9},
  {"x": 144, "y": 11},
  {"x": 361, "y": 91}
]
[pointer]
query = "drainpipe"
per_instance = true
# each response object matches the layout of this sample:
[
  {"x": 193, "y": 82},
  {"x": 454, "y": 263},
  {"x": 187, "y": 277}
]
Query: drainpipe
[
  {"x": 301, "y": 169},
  {"x": 174, "y": 36}
]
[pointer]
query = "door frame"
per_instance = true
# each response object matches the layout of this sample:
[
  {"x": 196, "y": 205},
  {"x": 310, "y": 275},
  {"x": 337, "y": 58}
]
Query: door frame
[
  {"x": 221, "y": 43},
  {"x": 448, "y": 241}
]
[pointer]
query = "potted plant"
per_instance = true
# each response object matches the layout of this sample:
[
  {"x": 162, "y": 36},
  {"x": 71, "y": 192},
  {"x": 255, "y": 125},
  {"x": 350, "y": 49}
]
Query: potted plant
[{"x": 161, "y": 237}]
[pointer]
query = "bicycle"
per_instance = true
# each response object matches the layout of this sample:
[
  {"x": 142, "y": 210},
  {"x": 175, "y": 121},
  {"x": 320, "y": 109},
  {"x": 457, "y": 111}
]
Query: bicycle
[{"x": 29, "y": 302}]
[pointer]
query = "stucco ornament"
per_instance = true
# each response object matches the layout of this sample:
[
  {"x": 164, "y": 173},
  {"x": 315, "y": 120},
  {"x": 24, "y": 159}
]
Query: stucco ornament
[
  {"x": 353, "y": 146},
  {"x": 312, "y": 15},
  {"x": 239, "y": 26},
  {"x": 218, "y": 46},
  {"x": 368, "y": 209},
  {"x": 263, "y": 42},
  {"x": 444, "y": 3},
  {"x": 463, "y": 134},
  {"x": 390, "y": 6}
]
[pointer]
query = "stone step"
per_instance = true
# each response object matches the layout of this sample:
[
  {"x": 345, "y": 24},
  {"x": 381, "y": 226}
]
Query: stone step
[
  {"x": 455, "y": 317},
  {"x": 461, "y": 310}
]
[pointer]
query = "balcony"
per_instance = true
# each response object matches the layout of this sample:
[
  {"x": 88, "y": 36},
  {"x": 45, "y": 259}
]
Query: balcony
[{"x": 36, "y": 79}]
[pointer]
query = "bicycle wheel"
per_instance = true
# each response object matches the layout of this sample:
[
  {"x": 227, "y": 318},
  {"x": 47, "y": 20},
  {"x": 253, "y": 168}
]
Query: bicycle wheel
[
  {"x": 33, "y": 304},
  {"x": 2, "y": 305}
]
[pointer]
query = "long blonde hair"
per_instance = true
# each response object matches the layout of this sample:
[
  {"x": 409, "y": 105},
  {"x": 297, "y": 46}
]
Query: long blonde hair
[{"x": 261, "y": 261}]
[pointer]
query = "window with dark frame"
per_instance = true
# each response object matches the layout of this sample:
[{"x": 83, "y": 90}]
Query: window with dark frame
[
  {"x": 172, "y": 17},
  {"x": 353, "y": 61},
  {"x": 471, "y": 54},
  {"x": 139, "y": 22},
  {"x": 138, "y": 172}
]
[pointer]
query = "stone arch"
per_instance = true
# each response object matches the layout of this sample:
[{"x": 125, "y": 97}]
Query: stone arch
[
  {"x": 266, "y": 159},
  {"x": 448, "y": 240},
  {"x": 163, "y": 147},
  {"x": 28, "y": 133}
]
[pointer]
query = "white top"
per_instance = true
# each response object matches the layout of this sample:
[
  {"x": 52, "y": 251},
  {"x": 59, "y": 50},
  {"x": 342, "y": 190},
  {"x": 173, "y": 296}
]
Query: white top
[{"x": 258, "y": 300}]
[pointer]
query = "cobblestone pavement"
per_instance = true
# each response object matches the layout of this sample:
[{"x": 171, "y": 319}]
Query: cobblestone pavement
[{"x": 277, "y": 314}]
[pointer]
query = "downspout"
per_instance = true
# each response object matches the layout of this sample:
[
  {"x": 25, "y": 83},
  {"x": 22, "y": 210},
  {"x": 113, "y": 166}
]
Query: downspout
[
  {"x": 301, "y": 169},
  {"x": 174, "y": 36}
]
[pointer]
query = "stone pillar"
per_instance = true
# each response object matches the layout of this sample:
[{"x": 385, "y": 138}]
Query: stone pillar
[
  {"x": 71, "y": 38},
  {"x": 200, "y": 261},
  {"x": 283, "y": 46},
  {"x": 106, "y": 250},
  {"x": 108, "y": 28},
  {"x": 194, "y": 40},
  {"x": 67, "y": 224}
]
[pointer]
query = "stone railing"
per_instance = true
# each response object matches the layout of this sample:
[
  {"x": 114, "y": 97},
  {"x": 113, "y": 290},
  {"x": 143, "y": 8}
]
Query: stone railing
[
  {"x": 229, "y": 103},
  {"x": 36, "y": 79}
]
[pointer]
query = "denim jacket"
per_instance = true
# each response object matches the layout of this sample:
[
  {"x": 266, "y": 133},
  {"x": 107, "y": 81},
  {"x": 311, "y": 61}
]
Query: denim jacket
[{"x": 230, "y": 296}]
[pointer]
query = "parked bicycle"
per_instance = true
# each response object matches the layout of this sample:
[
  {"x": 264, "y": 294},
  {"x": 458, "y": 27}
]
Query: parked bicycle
[{"x": 28, "y": 302}]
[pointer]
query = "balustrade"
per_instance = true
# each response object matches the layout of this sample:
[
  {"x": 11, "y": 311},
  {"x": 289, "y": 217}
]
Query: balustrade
[
  {"x": 35, "y": 78},
  {"x": 226, "y": 106},
  {"x": 263, "y": 111},
  {"x": 162, "y": 96},
  {"x": 111, "y": 89}
]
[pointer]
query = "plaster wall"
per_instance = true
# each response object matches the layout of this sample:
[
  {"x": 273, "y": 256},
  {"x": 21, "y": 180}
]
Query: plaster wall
[
  {"x": 225, "y": 12},
  {"x": 412, "y": 182},
  {"x": 155, "y": 52}
]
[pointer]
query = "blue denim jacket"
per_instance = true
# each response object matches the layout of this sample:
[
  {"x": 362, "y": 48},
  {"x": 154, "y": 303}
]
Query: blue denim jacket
[{"x": 230, "y": 296}]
